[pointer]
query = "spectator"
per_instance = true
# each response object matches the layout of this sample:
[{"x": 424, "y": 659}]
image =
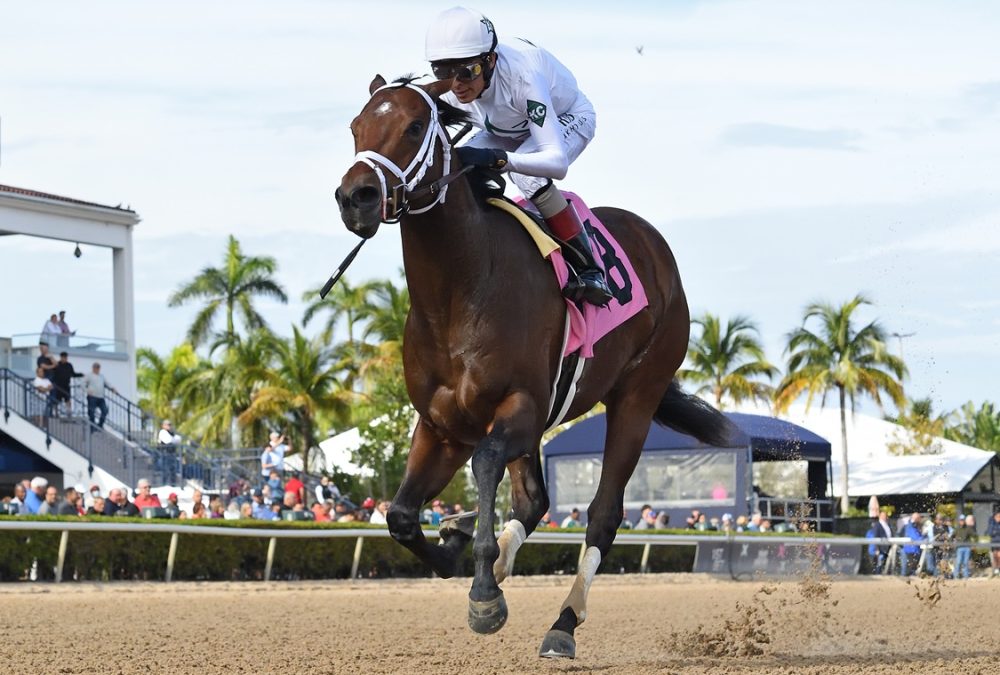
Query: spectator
[
  {"x": 64, "y": 332},
  {"x": 911, "y": 552},
  {"x": 95, "y": 492},
  {"x": 246, "y": 511},
  {"x": 765, "y": 526},
  {"x": 145, "y": 498},
  {"x": 166, "y": 435},
  {"x": 547, "y": 521},
  {"x": 45, "y": 360},
  {"x": 378, "y": 515},
  {"x": 172, "y": 506},
  {"x": 198, "y": 510},
  {"x": 741, "y": 523},
  {"x": 880, "y": 529},
  {"x": 196, "y": 498},
  {"x": 35, "y": 497},
  {"x": 273, "y": 457},
  {"x": 45, "y": 388},
  {"x": 111, "y": 505},
  {"x": 216, "y": 509},
  {"x": 993, "y": 531},
  {"x": 62, "y": 376},
  {"x": 457, "y": 508},
  {"x": 965, "y": 535},
  {"x": 754, "y": 524},
  {"x": 702, "y": 524},
  {"x": 20, "y": 494},
  {"x": 326, "y": 490},
  {"x": 97, "y": 508},
  {"x": 95, "y": 386},
  {"x": 321, "y": 511},
  {"x": 70, "y": 504},
  {"x": 261, "y": 510},
  {"x": 437, "y": 512},
  {"x": 727, "y": 522},
  {"x": 232, "y": 511},
  {"x": 662, "y": 521},
  {"x": 297, "y": 488},
  {"x": 647, "y": 518},
  {"x": 572, "y": 520},
  {"x": 276, "y": 488},
  {"x": 51, "y": 503},
  {"x": 288, "y": 503},
  {"x": 368, "y": 505},
  {"x": 51, "y": 330},
  {"x": 713, "y": 524}
]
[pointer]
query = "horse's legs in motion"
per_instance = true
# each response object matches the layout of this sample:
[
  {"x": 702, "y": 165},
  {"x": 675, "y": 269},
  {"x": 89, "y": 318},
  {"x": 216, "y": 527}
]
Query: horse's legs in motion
[
  {"x": 430, "y": 465},
  {"x": 628, "y": 417},
  {"x": 529, "y": 504},
  {"x": 511, "y": 435}
]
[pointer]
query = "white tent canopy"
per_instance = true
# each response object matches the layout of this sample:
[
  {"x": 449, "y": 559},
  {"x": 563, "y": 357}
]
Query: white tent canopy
[
  {"x": 334, "y": 453},
  {"x": 874, "y": 470}
]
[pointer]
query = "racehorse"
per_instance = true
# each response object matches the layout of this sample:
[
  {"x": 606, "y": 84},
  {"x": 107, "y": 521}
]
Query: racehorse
[{"x": 483, "y": 343}]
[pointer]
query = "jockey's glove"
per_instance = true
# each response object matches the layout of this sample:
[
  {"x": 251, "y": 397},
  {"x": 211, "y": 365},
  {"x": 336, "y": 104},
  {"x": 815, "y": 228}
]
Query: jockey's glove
[{"x": 484, "y": 157}]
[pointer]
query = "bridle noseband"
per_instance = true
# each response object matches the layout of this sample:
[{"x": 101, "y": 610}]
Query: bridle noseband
[{"x": 409, "y": 178}]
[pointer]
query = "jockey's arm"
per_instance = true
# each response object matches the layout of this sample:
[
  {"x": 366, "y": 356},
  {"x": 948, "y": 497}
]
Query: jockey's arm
[{"x": 547, "y": 159}]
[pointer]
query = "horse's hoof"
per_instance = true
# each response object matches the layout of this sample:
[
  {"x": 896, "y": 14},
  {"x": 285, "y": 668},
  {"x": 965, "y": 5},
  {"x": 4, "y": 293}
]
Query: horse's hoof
[
  {"x": 487, "y": 616},
  {"x": 459, "y": 527},
  {"x": 558, "y": 644}
]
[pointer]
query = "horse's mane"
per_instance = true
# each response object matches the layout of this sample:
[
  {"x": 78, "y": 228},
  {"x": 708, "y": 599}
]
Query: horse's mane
[{"x": 484, "y": 183}]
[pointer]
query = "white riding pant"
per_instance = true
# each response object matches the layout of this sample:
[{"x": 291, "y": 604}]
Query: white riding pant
[{"x": 578, "y": 130}]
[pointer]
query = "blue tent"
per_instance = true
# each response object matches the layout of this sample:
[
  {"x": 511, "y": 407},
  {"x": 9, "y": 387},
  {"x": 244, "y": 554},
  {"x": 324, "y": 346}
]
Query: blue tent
[{"x": 676, "y": 472}]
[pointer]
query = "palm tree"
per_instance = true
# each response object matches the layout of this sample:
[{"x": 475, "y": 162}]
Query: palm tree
[
  {"x": 837, "y": 356},
  {"x": 301, "y": 387},
  {"x": 214, "y": 398},
  {"x": 978, "y": 427},
  {"x": 387, "y": 314},
  {"x": 160, "y": 378},
  {"x": 232, "y": 288},
  {"x": 725, "y": 360},
  {"x": 347, "y": 302}
]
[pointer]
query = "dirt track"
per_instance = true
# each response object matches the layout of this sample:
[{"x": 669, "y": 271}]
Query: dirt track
[{"x": 654, "y": 624}]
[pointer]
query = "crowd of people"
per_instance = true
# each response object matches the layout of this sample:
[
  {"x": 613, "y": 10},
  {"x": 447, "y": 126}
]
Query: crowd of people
[{"x": 950, "y": 555}]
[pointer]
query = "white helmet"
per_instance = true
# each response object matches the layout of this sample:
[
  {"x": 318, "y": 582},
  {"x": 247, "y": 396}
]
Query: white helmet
[{"x": 459, "y": 33}]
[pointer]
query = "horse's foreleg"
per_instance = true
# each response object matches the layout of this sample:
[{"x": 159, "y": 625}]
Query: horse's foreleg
[
  {"x": 511, "y": 435},
  {"x": 628, "y": 425},
  {"x": 529, "y": 502},
  {"x": 429, "y": 466}
]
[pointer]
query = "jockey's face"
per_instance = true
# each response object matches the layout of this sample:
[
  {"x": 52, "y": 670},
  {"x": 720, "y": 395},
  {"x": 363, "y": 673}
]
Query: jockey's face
[{"x": 467, "y": 79}]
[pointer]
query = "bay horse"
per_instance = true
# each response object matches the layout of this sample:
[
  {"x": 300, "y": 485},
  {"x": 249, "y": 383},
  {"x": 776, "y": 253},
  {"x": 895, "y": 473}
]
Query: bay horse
[{"x": 483, "y": 342}]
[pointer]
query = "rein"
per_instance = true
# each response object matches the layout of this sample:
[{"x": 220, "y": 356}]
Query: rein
[{"x": 415, "y": 171}]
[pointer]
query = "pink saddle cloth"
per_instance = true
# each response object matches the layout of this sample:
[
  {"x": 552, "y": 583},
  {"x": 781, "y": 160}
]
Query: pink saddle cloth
[{"x": 586, "y": 328}]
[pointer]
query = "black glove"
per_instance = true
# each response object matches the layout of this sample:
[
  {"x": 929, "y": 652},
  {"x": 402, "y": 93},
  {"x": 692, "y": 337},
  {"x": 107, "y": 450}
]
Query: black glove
[{"x": 484, "y": 157}]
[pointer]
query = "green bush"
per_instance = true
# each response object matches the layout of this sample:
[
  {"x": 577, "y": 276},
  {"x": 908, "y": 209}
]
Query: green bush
[{"x": 105, "y": 556}]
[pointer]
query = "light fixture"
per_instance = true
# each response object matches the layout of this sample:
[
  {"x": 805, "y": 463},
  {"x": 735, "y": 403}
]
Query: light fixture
[{"x": 77, "y": 252}]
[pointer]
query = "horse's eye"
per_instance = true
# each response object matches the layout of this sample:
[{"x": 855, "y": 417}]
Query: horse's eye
[{"x": 415, "y": 128}]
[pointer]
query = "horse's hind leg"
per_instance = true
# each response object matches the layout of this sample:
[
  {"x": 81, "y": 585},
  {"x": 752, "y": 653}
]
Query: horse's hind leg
[
  {"x": 529, "y": 504},
  {"x": 628, "y": 425},
  {"x": 430, "y": 465},
  {"x": 512, "y": 434}
]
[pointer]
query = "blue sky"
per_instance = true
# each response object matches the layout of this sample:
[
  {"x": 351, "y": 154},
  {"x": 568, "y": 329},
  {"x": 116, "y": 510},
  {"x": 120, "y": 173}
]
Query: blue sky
[{"x": 788, "y": 151}]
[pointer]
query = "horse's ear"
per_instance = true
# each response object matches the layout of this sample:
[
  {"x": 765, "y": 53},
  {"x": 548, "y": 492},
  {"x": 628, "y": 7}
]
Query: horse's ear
[
  {"x": 379, "y": 81},
  {"x": 438, "y": 87}
]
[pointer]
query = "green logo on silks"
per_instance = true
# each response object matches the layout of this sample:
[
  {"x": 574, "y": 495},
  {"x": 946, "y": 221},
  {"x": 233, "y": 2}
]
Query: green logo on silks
[{"x": 536, "y": 112}]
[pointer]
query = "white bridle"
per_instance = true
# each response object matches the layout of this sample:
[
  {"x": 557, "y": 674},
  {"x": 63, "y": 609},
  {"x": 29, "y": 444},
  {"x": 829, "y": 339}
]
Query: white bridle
[{"x": 418, "y": 166}]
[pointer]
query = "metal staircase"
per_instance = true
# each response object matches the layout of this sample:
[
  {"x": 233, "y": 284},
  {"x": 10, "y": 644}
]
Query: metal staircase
[{"x": 126, "y": 446}]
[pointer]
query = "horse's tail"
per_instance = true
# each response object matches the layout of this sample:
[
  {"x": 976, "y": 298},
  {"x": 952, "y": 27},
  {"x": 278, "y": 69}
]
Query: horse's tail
[{"x": 692, "y": 416}]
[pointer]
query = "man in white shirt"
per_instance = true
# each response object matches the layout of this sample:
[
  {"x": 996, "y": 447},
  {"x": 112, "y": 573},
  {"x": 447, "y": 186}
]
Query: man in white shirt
[
  {"x": 95, "y": 384},
  {"x": 166, "y": 436},
  {"x": 51, "y": 330}
]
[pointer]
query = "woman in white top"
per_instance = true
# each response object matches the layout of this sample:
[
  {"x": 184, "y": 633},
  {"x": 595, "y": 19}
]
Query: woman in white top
[{"x": 534, "y": 121}]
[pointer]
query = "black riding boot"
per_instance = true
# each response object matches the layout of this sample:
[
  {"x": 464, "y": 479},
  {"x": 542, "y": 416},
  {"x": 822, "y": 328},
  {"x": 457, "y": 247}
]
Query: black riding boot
[{"x": 595, "y": 287}]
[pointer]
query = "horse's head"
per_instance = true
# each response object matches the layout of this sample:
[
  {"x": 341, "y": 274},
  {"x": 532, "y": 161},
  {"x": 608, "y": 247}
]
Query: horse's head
[{"x": 396, "y": 139}]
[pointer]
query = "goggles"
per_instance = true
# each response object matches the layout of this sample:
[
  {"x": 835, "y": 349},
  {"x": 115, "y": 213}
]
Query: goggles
[{"x": 463, "y": 72}]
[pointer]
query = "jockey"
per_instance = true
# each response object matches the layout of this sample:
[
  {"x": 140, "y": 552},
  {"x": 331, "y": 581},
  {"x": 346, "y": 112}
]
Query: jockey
[{"x": 534, "y": 121}]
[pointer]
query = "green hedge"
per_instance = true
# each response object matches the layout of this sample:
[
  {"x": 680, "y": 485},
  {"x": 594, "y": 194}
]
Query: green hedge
[{"x": 104, "y": 556}]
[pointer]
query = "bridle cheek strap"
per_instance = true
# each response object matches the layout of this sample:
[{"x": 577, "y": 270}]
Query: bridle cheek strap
[{"x": 423, "y": 160}]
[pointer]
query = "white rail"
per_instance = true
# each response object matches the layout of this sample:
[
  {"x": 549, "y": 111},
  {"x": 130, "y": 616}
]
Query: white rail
[{"x": 537, "y": 537}]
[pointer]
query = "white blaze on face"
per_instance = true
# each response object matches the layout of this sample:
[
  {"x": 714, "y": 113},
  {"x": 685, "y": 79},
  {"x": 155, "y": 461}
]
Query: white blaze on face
[{"x": 384, "y": 109}]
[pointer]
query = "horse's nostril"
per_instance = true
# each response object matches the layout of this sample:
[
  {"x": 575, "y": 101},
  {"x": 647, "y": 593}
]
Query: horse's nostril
[{"x": 365, "y": 196}]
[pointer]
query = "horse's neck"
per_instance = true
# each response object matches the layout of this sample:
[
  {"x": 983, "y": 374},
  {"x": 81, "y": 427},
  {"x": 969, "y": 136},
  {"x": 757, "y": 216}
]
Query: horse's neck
[{"x": 447, "y": 253}]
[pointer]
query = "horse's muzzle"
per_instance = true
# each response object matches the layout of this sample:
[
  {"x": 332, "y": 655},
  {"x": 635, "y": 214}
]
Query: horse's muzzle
[{"x": 360, "y": 209}]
